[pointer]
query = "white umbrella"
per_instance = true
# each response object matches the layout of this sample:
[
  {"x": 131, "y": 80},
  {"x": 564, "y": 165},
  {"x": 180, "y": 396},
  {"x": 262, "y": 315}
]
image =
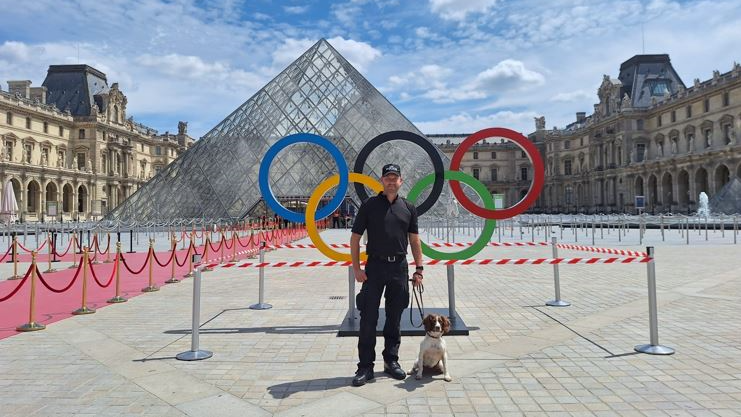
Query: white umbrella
[{"x": 8, "y": 205}]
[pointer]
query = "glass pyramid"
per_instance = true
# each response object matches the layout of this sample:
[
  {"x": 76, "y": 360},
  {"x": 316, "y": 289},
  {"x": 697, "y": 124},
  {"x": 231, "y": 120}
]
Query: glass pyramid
[{"x": 319, "y": 93}]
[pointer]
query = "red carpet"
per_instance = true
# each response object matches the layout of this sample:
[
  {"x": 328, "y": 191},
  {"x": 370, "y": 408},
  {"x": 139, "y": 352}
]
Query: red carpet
[{"x": 52, "y": 307}]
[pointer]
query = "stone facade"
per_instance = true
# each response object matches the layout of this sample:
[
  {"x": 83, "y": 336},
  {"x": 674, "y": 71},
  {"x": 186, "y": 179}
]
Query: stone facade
[
  {"x": 649, "y": 136},
  {"x": 84, "y": 161},
  {"x": 501, "y": 165},
  {"x": 685, "y": 141}
]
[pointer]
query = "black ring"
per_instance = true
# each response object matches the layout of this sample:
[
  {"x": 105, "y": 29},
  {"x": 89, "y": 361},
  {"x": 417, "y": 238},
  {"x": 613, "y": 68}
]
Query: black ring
[{"x": 427, "y": 146}]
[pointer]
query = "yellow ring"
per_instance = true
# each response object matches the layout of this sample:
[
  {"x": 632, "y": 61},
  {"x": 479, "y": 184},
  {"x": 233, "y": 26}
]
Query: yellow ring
[{"x": 313, "y": 203}]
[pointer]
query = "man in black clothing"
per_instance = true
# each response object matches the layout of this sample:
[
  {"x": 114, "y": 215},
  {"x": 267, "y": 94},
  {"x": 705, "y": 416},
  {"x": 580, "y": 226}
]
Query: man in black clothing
[{"x": 391, "y": 222}]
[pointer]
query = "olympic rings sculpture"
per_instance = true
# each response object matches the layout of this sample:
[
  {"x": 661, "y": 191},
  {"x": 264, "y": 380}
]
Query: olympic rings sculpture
[{"x": 436, "y": 179}]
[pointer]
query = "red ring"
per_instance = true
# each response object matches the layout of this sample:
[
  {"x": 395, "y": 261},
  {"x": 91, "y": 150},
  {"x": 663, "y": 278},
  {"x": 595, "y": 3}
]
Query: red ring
[{"x": 530, "y": 149}]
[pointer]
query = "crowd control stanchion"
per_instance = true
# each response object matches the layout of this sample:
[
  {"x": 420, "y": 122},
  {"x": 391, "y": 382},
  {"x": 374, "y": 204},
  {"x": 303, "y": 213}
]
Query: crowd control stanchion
[
  {"x": 131, "y": 241},
  {"x": 32, "y": 325},
  {"x": 117, "y": 298},
  {"x": 206, "y": 268},
  {"x": 150, "y": 255},
  {"x": 190, "y": 261},
  {"x": 54, "y": 241},
  {"x": 51, "y": 251},
  {"x": 14, "y": 259},
  {"x": 74, "y": 251},
  {"x": 84, "y": 309},
  {"x": 12, "y": 247},
  {"x": 195, "y": 353},
  {"x": 557, "y": 302},
  {"x": 108, "y": 250},
  {"x": 172, "y": 279},
  {"x": 261, "y": 305},
  {"x": 234, "y": 247},
  {"x": 451, "y": 293},
  {"x": 653, "y": 348},
  {"x": 351, "y": 294}
]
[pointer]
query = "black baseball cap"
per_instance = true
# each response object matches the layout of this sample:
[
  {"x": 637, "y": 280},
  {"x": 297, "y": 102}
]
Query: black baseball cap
[{"x": 391, "y": 169}]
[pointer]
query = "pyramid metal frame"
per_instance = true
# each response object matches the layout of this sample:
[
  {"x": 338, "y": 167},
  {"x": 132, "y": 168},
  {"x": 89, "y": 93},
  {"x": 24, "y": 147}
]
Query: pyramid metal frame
[{"x": 319, "y": 93}]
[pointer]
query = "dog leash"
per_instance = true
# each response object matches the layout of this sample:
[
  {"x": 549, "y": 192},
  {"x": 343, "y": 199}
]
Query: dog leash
[{"x": 420, "y": 303}]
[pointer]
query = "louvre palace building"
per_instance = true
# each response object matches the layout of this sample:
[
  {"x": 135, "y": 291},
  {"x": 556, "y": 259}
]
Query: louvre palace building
[
  {"x": 71, "y": 151},
  {"x": 650, "y": 135}
]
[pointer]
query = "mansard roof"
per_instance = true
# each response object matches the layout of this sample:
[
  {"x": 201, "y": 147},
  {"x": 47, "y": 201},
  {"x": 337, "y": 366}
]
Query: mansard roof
[
  {"x": 648, "y": 76},
  {"x": 74, "y": 87}
]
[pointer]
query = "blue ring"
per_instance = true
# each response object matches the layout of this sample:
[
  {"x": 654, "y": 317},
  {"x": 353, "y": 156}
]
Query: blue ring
[{"x": 264, "y": 175}]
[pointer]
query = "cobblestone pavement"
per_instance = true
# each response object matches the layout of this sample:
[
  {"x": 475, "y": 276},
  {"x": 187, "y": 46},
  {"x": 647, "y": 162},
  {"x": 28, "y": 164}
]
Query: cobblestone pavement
[{"x": 521, "y": 357}]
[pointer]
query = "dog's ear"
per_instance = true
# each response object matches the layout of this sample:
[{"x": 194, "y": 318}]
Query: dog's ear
[
  {"x": 429, "y": 322},
  {"x": 446, "y": 324}
]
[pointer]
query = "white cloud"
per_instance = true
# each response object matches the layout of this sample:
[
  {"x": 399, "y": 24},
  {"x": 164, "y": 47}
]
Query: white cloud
[
  {"x": 573, "y": 96},
  {"x": 11, "y": 51},
  {"x": 464, "y": 122},
  {"x": 508, "y": 74},
  {"x": 194, "y": 68},
  {"x": 360, "y": 54},
  {"x": 458, "y": 9},
  {"x": 295, "y": 9}
]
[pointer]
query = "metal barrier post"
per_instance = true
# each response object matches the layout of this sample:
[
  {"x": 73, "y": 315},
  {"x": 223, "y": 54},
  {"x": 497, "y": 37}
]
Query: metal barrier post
[
  {"x": 261, "y": 305},
  {"x": 172, "y": 279},
  {"x": 32, "y": 325},
  {"x": 74, "y": 251},
  {"x": 653, "y": 348},
  {"x": 150, "y": 258},
  {"x": 451, "y": 293},
  {"x": 14, "y": 259},
  {"x": 191, "y": 247},
  {"x": 84, "y": 308},
  {"x": 206, "y": 268},
  {"x": 117, "y": 298},
  {"x": 54, "y": 242},
  {"x": 234, "y": 247},
  {"x": 557, "y": 302},
  {"x": 351, "y": 294},
  {"x": 50, "y": 250},
  {"x": 195, "y": 353},
  {"x": 131, "y": 241},
  {"x": 108, "y": 249}
]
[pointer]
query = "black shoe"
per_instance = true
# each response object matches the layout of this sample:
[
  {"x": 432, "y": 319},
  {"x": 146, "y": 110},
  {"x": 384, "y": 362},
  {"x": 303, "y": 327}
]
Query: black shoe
[
  {"x": 362, "y": 376},
  {"x": 392, "y": 368}
]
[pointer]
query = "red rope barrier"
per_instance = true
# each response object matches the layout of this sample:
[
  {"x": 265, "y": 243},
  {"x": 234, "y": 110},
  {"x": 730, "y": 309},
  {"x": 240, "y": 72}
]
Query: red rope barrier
[
  {"x": 29, "y": 251},
  {"x": 158, "y": 261},
  {"x": 126, "y": 265},
  {"x": 69, "y": 245},
  {"x": 212, "y": 246},
  {"x": 223, "y": 239},
  {"x": 50, "y": 288},
  {"x": 97, "y": 247},
  {"x": 95, "y": 277},
  {"x": 18, "y": 287},
  {"x": 184, "y": 259},
  {"x": 6, "y": 253}
]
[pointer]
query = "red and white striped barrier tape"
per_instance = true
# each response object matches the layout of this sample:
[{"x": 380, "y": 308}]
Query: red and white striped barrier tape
[
  {"x": 623, "y": 252},
  {"x": 434, "y": 245},
  {"x": 506, "y": 261}
]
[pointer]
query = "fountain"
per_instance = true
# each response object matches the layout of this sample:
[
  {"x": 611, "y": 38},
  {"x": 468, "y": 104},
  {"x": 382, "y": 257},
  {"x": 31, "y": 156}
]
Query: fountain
[{"x": 704, "y": 209}]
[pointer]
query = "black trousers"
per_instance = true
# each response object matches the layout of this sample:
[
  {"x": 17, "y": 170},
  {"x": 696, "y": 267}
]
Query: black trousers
[{"x": 394, "y": 278}]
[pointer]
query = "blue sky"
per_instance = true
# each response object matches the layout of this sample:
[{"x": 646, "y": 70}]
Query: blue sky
[{"x": 450, "y": 66}]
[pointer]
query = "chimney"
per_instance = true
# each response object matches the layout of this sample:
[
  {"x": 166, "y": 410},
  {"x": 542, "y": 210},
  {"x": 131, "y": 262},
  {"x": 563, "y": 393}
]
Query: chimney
[
  {"x": 581, "y": 116},
  {"x": 38, "y": 93},
  {"x": 22, "y": 87}
]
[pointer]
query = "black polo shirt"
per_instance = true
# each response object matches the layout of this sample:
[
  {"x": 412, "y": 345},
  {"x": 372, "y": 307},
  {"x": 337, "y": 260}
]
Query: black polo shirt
[{"x": 387, "y": 224}]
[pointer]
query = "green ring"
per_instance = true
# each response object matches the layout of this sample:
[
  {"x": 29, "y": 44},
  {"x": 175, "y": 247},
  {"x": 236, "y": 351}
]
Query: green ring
[{"x": 489, "y": 224}]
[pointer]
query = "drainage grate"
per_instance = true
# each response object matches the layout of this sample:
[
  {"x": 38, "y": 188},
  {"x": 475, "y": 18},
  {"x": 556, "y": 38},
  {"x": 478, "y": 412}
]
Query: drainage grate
[{"x": 337, "y": 297}]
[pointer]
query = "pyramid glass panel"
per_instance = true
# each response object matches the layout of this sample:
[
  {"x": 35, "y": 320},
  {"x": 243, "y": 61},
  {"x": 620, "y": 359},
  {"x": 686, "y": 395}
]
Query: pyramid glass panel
[{"x": 319, "y": 93}]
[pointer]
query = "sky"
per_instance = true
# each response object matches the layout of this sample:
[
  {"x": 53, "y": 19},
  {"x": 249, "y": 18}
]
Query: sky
[{"x": 450, "y": 66}]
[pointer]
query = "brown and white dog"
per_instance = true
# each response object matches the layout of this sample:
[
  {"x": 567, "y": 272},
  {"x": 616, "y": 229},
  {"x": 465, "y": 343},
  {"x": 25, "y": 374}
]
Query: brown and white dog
[{"x": 432, "y": 350}]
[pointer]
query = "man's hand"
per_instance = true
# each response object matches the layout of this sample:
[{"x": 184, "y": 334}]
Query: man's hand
[
  {"x": 360, "y": 275},
  {"x": 417, "y": 279}
]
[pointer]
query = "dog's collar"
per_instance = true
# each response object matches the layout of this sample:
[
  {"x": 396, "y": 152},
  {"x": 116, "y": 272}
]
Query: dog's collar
[{"x": 434, "y": 337}]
